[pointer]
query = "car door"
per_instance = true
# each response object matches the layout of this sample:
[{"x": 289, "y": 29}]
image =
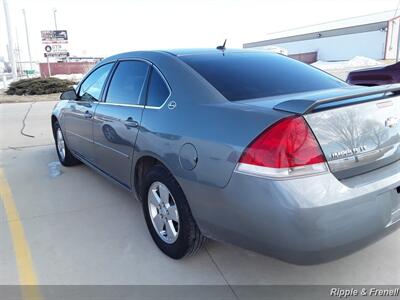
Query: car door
[
  {"x": 117, "y": 119},
  {"x": 79, "y": 115}
]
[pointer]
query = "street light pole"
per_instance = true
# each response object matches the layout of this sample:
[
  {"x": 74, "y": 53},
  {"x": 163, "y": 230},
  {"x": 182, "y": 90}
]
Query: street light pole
[
  {"x": 18, "y": 54},
  {"x": 27, "y": 40},
  {"x": 55, "y": 18},
  {"x": 10, "y": 40}
]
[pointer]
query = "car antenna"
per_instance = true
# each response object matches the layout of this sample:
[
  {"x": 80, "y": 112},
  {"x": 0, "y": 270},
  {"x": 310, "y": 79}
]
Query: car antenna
[{"x": 222, "y": 47}]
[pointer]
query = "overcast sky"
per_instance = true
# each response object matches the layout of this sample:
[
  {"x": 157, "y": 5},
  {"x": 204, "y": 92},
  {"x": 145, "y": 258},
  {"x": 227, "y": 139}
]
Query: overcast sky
[{"x": 102, "y": 28}]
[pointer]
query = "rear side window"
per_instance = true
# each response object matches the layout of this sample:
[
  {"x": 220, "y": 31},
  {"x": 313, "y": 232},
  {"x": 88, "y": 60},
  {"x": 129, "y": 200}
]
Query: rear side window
[
  {"x": 248, "y": 75},
  {"x": 127, "y": 82},
  {"x": 90, "y": 89},
  {"x": 158, "y": 91}
]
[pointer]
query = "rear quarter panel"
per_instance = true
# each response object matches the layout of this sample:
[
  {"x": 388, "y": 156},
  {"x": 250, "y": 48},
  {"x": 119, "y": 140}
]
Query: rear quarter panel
[{"x": 219, "y": 132}]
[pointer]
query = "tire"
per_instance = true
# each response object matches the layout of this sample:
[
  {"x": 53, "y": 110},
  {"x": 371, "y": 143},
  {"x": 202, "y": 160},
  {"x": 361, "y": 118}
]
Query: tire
[
  {"x": 188, "y": 239},
  {"x": 65, "y": 157}
]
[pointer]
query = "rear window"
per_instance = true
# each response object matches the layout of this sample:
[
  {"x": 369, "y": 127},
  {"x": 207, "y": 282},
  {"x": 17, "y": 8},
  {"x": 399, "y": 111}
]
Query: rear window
[{"x": 239, "y": 76}]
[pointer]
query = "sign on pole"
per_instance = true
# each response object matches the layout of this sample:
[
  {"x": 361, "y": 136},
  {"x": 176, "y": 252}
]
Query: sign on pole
[
  {"x": 54, "y": 36},
  {"x": 56, "y": 50},
  {"x": 55, "y": 43}
]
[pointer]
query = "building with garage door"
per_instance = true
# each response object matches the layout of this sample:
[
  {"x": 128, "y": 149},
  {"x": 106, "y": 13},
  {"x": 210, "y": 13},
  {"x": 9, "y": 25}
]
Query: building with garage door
[{"x": 375, "y": 36}]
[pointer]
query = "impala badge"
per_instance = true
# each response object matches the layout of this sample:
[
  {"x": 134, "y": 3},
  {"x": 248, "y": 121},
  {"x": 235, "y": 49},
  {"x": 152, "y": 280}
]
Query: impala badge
[
  {"x": 348, "y": 152},
  {"x": 171, "y": 104}
]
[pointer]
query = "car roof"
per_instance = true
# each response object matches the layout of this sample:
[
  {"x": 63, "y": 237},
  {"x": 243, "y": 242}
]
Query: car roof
[
  {"x": 197, "y": 51},
  {"x": 176, "y": 53}
]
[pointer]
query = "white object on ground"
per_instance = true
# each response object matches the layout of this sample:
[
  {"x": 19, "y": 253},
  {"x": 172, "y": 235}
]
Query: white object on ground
[{"x": 54, "y": 169}]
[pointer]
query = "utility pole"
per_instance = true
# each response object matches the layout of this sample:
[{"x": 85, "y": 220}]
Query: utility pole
[
  {"x": 55, "y": 18},
  {"x": 10, "y": 40},
  {"x": 18, "y": 55},
  {"x": 27, "y": 40}
]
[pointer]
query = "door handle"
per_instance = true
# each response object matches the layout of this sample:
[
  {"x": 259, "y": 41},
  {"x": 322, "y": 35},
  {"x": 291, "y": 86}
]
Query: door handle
[
  {"x": 88, "y": 115},
  {"x": 130, "y": 123}
]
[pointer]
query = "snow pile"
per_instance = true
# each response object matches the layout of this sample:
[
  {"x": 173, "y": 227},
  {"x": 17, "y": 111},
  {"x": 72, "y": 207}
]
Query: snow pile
[
  {"x": 361, "y": 61},
  {"x": 72, "y": 77},
  {"x": 356, "y": 62}
]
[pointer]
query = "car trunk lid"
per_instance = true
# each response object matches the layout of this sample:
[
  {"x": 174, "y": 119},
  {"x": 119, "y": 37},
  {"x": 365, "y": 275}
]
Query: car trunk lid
[
  {"x": 358, "y": 131},
  {"x": 358, "y": 138}
]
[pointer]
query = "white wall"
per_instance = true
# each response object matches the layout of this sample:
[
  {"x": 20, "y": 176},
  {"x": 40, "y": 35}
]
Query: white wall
[{"x": 344, "y": 47}]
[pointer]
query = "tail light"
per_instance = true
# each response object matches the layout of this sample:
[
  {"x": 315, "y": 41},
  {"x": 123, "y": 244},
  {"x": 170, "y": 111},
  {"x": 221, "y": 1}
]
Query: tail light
[{"x": 287, "y": 148}]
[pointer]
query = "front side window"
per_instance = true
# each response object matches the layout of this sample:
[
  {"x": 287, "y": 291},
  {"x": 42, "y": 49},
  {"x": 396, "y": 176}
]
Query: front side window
[
  {"x": 127, "y": 82},
  {"x": 158, "y": 91},
  {"x": 90, "y": 89}
]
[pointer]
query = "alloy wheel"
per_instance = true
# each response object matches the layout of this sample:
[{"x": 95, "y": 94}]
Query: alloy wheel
[
  {"x": 60, "y": 144},
  {"x": 163, "y": 212}
]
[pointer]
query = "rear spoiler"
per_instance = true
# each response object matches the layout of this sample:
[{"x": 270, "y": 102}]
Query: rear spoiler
[{"x": 306, "y": 106}]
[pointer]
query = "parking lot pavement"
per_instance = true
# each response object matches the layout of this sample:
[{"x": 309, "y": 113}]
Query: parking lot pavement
[
  {"x": 82, "y": 229},
  {"x": 36, "y": 118}
]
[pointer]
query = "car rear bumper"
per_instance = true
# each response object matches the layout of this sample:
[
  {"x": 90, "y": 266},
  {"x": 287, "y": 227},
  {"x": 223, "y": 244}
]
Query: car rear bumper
[{"x": 304, "y": 220}]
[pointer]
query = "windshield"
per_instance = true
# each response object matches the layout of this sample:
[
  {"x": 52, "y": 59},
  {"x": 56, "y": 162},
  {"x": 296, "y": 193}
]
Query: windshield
[{"x": 248, "y": 75}]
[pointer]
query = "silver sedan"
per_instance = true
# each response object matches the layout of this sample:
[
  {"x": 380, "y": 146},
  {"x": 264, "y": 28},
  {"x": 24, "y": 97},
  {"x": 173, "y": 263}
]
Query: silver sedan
[{"x": 246, "y": 147}]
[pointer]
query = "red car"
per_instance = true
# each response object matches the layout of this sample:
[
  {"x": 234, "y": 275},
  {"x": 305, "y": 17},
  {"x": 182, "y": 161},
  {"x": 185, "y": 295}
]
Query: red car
[{"x": 375, "y": 76}]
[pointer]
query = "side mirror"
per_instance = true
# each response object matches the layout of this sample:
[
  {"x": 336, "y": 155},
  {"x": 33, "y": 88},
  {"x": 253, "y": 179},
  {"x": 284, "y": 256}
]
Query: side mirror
[{"x": 69, "y": 95}]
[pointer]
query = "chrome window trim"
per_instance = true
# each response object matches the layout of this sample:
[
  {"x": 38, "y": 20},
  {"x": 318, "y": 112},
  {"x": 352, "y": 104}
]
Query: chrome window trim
[
  {"x": 118, "y": 61},
  {"x": 136, "y": 58},
  {"x": 91, "y": 71},
  {"x": 166, "y": 83},
  {"x": 121, "y": 104},
  {"x": 151, "y": 64}
]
